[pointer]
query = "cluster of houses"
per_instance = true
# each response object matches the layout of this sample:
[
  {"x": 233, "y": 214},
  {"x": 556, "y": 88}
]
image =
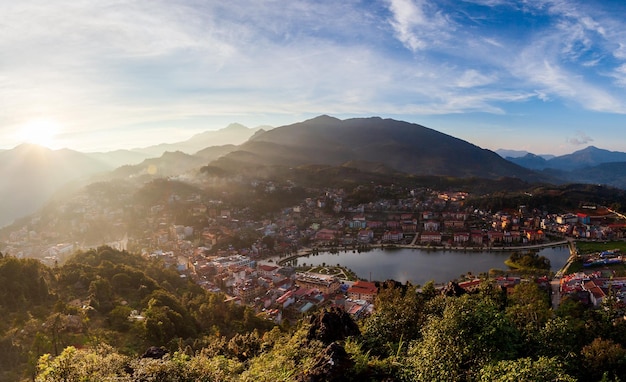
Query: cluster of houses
[
  {"x": 592, "y": 286},
  {"x": 451, "y": 228},
  {"x": 419, "y": 217},
  {"x": 280, "y": 293}
]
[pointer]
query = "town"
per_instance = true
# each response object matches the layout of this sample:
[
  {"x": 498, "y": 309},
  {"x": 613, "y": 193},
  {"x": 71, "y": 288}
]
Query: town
[{"x": 232, "y": 249}]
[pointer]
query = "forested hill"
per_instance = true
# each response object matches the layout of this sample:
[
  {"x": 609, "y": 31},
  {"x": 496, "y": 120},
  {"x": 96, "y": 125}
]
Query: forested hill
[
  {"x": 89, "y": 300},
  {"x": 71, "y": 323},
  {"x": 397, "y": 145}
]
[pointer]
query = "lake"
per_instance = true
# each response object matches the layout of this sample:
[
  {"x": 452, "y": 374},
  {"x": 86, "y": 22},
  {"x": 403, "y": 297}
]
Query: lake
[{"x": 419, "y": 266}]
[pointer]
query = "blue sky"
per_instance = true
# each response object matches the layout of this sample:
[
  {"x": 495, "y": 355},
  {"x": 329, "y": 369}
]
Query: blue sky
[{"x": 548, "y": 77}]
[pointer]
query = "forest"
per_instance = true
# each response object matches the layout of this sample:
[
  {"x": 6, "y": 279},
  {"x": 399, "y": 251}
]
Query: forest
[{"x": 71, "y": 323}]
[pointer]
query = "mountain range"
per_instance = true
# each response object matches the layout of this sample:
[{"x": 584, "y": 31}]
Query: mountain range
[
  {"x": 32, "y": 174},
  {"x": 589, "y": 165},
  {"x": 371, "y": 145}
]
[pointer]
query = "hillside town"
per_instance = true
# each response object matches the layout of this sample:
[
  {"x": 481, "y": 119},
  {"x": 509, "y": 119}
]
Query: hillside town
[{"x": 226, "y": 249}]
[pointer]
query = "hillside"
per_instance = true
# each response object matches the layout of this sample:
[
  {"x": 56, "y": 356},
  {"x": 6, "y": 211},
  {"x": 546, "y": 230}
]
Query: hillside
[
  {"x": 589, "y": 165},
  {"x": 398, "y": 145},
  {"x": 73, "y": 323},
  {"x": 234, "y": 133},
  {"x": 33, "y": 173}
]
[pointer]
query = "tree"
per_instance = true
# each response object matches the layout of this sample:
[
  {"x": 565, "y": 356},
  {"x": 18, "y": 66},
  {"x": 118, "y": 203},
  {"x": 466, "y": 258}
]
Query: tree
[
  {"x": 470, "y": 333},
  {"x": 528, "y": 307},
  {"x": 99, "y": 364},
  {"x": 603, "y": 358},
  {"x": 397, "y": 319},
  {"x": 543, "y": 369}
]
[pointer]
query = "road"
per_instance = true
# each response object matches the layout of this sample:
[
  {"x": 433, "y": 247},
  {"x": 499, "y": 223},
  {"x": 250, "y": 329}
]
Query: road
[{"x": 555, "y": 284}]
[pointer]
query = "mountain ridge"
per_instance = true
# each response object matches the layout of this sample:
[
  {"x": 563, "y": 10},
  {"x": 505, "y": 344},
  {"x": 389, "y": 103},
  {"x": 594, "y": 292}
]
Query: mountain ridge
[{"x": 403, "y": 146}]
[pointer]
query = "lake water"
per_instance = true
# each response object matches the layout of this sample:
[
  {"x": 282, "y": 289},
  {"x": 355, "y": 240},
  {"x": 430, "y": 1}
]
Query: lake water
[{"x": 419, "y": 266}]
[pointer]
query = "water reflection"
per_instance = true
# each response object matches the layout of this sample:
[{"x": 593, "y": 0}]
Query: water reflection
[{"x": 419, "y": 266}]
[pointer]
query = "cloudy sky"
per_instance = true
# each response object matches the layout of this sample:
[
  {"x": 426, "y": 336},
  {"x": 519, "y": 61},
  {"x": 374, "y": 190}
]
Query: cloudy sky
[{"x": 541, "y": 76}]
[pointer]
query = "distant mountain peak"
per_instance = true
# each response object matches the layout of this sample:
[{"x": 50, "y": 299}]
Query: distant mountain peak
[
  {"x": 324, "y": 118},
  {"x": 235, "y": 126}
]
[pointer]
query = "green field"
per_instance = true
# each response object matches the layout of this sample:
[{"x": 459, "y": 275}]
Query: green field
[{"x": 586, "y": 247}]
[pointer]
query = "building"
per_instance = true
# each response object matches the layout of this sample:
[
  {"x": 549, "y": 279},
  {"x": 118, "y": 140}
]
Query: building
[
  {"x": 430, "y": 237},
  {"x": 363, "y": 290},
  {"x": 324, "y": 283}
]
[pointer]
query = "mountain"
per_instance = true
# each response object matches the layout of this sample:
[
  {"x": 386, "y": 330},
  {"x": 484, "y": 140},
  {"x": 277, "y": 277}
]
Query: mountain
[
  {"x": 119, "y": 158},
  {"x": 234, "y": 133},
  {"x": 612, "y": 174},
  {"x": 587, "y": 157},
  {"x": 506, "y": 153},
  {"x": 33, "y": 173},
  {"x": 171, "y": 163},
  {"x": 531, "y": 161},
  {"x": 398, "y": 145},
  {"x": 589, "y": 165}
]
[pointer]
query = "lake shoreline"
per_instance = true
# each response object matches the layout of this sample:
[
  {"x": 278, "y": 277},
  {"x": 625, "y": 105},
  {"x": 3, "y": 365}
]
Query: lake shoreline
[{"x": 310, "y": 251}]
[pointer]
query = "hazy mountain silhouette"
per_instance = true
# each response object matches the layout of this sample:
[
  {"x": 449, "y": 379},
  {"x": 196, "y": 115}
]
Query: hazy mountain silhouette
[
  {"x": 171, "y": 163},
  {"x": 33, "y": 173},
  {"x": 589, "y": 165},
  {"x": 234, "y": 134},
  {"x": 398, "y": 145},
  {"x": 587, "y": 157},
  {"x": 507, "y": 153},
  {"x": 119, "y": 158},
  {"x": 531, "y": 161}
]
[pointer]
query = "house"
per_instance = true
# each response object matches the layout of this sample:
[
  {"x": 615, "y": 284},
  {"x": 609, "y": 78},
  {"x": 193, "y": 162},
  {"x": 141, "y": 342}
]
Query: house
[
  {"x": 566, "y": 218},
  {"x": 430, "y": 237},
  {"x": 286, "y": 299},
  {"x": 454, "y": 224},
  {"x": 495, "y": 236},
  {"x": 409, "y": 226},
  {"x": 533, "y": 235},
  {"x": 461, "y": 237},
  {"x": 358, "y": 222},
  {"x": 365, "y": 236},
  {"x": 596, "y": 294},
  {"x": 431, "y": 225},
  {"x": 393, "y": 236},
  {"x": 267, "y": 270},
  {"x": 583, "y": 218},
  {"x": 477, "y": 237},
  {"x": 324, "y": 283},
  {"x": 363, "y": 290},
  {"x": 375, "y": 224},
  {"x": 392, "y": 224},
  {"x": 471, "y": 285},
  {"x": 325, "y": 235}
]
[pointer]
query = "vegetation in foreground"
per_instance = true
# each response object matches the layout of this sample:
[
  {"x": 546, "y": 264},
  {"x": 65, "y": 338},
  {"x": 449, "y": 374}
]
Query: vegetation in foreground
[{"x": 192, "y": 335}]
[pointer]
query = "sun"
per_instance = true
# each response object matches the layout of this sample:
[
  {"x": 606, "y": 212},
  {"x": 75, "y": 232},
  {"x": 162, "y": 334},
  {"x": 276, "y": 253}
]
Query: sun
[{"x": 41, "y": 132}]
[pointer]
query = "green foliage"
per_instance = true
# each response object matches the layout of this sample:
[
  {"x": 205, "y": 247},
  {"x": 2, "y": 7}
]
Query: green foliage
[
  {"x": 290, "y": 356},
  {"x": 542, "y": 369},
  {"x": 530, "y": 261},
  {"x": 73, "y": 365},
  {"x": 24, "y": 281},
  {"x": 398, "y": 318},
  {"x": 528, "y": 307},
  {"x": 603, "y": 358},
  {"x": 412, "y": 335},
  {"x": 470, "y": 333}
]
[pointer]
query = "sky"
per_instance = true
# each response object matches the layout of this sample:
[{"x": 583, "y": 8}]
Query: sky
[{"x": 548, "y": 77}]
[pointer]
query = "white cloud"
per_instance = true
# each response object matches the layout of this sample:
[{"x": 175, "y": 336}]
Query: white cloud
[
  {"x": 93, "y": 65},
  {"x": 471, "y": 78},
  {"x": 417, "y": 24},
  {"x": 580, "y": 139}
]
